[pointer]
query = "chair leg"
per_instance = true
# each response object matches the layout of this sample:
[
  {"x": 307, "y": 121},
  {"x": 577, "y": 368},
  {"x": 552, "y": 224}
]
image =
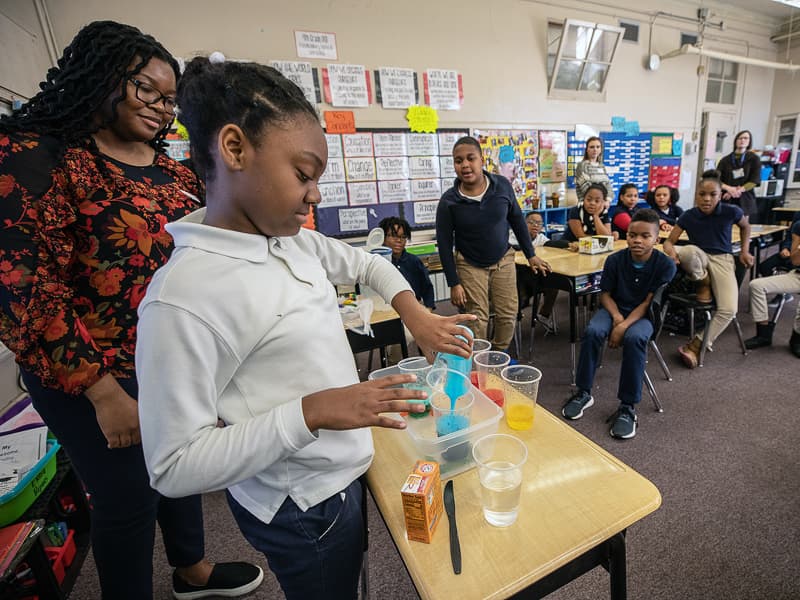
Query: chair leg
[
  {"x": 661, "y": 361},
  {"x": 651, "y": 388},
  {"x": 516, "y": 338},
  {"x": 365, "y": 556},
  {"x": 778, "y": 310},
  {"x": 704, "y": 343},
  {"x": 739, "y": 334},
  {"x": 369, "y": 360}
]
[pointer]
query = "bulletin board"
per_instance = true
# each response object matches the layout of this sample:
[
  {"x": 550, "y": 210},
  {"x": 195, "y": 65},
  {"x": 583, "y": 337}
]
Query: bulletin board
[
  {"x": 513, "y": 154},
  {"x": 377, "y": 173}
]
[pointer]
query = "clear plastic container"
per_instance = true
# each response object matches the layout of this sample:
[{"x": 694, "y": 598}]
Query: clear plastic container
[{"x": 453, "y": 452}]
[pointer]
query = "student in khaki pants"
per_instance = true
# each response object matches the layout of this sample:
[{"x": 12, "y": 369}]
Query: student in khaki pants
[
  {"x": 708, "y": 259},
  {"x": 474, "y": 217}
]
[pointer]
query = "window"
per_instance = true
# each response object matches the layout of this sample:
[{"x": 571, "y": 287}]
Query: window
[
  {"x": 579, "y": 56},
  {"x": 722, "y": 78}
]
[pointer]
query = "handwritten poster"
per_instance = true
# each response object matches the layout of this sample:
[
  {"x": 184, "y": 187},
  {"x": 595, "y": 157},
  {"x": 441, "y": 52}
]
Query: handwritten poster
[
  {"x": 352, "y": 219},
  {"x": 426, "y": 189},
  {"x": 448, "y": 140},
  {"x": 360, "y": 169},
  {"x": 392, "y": 167},
  {"x": 340, "y": 121},
  {"x": 315, "y": 44},
  {"x": 334, "y": 145},
  {"x": 443, "y": 89},
  {"x": 357, "y": 144},
  {"x": 390, "y": 144},
  {"x": 302, "y": 74},
  {"x": 394, "y": 191},
  {"x": 423, "y": 167},
  {"x": 425, "y": 212},
  {"x": 333, "y": 194},
  {"x": 446, "y": 168},
  {"x": 397, "y": 87},
  {"x": 334, "y": 171},
  {"x": 348, "y": 85},
  {"x": 362, "y": 193},
  {"x": 422, "y": 144}
]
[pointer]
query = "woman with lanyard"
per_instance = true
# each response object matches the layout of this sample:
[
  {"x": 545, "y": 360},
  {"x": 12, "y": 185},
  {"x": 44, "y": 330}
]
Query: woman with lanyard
[
  {"x": 85, "y": 192},
  {"x": 591, "y": 169},
  {"x": 740, "y": 173}
]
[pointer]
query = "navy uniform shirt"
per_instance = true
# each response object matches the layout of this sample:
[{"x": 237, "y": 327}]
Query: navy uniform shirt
[
  {"x": 629, "y": 284},
  {"x": 587, "y": 223},
  {"x": 711, "y": 233},
  {"x": 417, "y": 276}
]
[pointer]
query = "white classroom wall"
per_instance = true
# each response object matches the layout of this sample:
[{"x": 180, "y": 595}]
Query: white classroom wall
[{"x": 499, "y": 47}]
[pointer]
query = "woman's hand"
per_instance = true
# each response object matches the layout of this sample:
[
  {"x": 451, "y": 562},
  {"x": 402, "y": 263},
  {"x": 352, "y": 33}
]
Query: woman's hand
[
  {"x": 362, "y": 405},
  {"x": 458, "y": 296},
  {"x": 116, "y": 411}
]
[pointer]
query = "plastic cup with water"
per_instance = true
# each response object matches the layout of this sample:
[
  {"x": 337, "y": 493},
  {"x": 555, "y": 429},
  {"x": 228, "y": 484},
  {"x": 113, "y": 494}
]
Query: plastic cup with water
[
  {"x": 521, "y": 389},
  {"x": 419, "y": 366},
  {"x": 500, "y": 459}
]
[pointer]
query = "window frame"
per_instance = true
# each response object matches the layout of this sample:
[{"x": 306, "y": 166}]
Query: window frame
[
  {"x": 578, "y": 94},
  {"x": 722, "y": 80}
]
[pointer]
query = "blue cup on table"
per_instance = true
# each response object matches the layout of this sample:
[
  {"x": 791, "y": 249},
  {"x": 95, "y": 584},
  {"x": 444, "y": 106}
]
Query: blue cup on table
[{"x": 455, "y": 363}]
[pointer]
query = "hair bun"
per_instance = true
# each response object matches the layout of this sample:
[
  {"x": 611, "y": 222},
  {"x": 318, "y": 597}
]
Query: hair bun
[{"x": 216, "y": 57}]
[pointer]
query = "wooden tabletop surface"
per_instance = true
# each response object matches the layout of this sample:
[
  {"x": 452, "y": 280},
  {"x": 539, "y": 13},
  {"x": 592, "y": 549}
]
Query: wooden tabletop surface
[{"x": 575, "y": 495}]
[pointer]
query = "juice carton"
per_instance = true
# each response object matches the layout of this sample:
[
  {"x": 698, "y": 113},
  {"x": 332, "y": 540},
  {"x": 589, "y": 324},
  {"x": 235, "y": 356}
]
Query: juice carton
[{"x": 422, "y": 501}]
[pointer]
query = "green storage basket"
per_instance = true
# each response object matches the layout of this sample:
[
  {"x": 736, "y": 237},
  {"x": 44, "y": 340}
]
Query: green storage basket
[{"x": 17, "y": 501}]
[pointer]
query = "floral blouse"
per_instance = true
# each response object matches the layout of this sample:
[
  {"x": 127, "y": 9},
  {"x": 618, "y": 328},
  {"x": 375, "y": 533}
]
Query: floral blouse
[{"x": 80, "y": 238}]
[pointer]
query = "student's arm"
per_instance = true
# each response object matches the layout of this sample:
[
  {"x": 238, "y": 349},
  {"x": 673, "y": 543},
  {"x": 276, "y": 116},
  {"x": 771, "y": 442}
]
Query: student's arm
[
  {"x": 744, "y": 236},
  {"x": 600, "y": 227},
  {"x": 618, "y": 332},
  {"x": 669, "y": 243},
  {"x": 795, "y": 254},
  {"x": 576, "y": 227}
]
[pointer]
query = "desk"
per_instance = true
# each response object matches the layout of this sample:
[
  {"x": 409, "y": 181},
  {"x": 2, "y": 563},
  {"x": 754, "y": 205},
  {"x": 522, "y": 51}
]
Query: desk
[
  {"x": 387, "y": 329},
  {"x": 784, "y": 213},
  {"x": 577, "y": 501}
]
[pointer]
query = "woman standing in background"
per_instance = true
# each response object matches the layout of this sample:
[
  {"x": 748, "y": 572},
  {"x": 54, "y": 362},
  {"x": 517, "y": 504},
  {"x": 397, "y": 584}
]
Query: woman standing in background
[
  {"x": 740, "y": 173},
  {"x": 85, "y": 191},
  {"x": 591, "y": 169}
]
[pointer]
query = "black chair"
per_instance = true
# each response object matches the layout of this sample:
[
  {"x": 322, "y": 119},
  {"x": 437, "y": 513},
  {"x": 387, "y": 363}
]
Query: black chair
[{"x": 690, "y": 304}]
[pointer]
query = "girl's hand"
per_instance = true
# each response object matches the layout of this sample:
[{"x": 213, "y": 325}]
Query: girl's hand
[
  {"x": 362, "y": 405},
  {"x": 785, "y": 253},
  {"x": 458, "y": 297},
  {"x": 435, "y": 333},
  {"x": 117, "y": 413}
]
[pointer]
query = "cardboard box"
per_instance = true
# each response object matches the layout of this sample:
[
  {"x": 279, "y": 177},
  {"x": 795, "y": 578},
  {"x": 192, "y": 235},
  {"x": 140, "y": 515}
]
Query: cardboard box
[
  {"x": 596, "y": 244},
  {"x": 422, "y": 501}
]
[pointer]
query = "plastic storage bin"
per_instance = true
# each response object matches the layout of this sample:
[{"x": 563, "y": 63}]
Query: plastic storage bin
[
  {"x": 61, "y": 557},
  {"x": 17, "y": 501},
  {"x": 453, "y": 452}
]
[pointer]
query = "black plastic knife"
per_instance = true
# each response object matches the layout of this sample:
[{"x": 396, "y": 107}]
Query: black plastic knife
[{"x": 450, "y": 507}]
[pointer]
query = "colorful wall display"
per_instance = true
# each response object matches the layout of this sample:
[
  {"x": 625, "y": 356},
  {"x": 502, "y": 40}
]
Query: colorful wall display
[{"x": 514, "y": 154}]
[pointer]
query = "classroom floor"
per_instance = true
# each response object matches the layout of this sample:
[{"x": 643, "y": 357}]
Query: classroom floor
[{"x": 723, "y": 455}]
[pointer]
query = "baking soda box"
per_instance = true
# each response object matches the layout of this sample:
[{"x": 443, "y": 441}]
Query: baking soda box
[{"x": 422, "y": 501}]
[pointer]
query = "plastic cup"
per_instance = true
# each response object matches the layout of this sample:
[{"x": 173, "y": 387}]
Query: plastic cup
[
  {"x": 451, "y": 400},
  {"x": 500, "y": 458},
  {"x": 521, "y": 388},
  {"x": 478, "y": 345},
  {"x": 489, "y": 364},
  {"x": 419, "y": 366}
]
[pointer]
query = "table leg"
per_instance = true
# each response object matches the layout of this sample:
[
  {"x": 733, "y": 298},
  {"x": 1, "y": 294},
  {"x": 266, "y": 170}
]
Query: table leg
[
  {"x": 573, "y": 329},
  {"x": 616, "y": 567}
]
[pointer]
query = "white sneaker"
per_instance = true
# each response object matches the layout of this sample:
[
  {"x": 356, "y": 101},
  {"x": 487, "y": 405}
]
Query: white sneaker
[{"x": 547, "y": 323}]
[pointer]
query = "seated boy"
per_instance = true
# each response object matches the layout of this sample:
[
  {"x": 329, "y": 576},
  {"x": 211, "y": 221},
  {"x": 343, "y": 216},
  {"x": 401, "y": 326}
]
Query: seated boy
[
  {"x": 787, "y": 283},
  {"x": 630, "y": 277},
  {"x": 396, "y": 232}
]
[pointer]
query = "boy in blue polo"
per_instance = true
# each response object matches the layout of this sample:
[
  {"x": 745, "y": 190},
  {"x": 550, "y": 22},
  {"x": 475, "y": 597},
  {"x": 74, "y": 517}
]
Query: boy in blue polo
[{"x": 630, "y": 278}]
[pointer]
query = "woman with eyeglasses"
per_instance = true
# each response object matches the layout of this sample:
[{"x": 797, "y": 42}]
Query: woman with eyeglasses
[{"x": 85, "y": 191}]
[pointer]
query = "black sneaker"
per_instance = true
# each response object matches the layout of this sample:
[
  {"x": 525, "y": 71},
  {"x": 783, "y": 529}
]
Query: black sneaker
[
  {"x": 577, "y": 403},
  {"x": 229, "y": 580},
  {"x": 624, "y": 427}
]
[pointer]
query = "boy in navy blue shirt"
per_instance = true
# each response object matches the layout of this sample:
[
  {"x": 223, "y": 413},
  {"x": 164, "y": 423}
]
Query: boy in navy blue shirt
[
  {"x": 396, "y": 232},
  {"x": 630, "y": 278}
]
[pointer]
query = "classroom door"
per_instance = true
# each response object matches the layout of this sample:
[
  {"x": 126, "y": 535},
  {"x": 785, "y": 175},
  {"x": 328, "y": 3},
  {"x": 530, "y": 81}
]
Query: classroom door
[{"x": 716, "y": 138}]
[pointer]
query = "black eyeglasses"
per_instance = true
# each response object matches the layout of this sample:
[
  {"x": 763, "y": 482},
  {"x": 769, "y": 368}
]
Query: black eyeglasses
[{"x": 149, "y": 95}]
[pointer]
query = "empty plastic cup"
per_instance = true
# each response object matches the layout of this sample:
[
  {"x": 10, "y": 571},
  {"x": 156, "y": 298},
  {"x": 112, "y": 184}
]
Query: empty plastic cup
[
  {"x": 500, "y": 458},
  {"x": 489, "y": 364},
  {"x": 478, "y": 345},
  {"x": 419, "y": 366},
  {"x": 521, "y": 388}
]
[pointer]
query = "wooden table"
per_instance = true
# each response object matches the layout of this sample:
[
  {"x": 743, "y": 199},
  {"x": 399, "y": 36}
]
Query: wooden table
[
  {"x": 577, "y": 502},
  {"x": 387, "y": 330}
]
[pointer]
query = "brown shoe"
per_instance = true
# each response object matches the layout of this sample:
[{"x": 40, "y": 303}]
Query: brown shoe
[
  {"x": 688, "y": 356},
  {"x": 702, "y": 290}
]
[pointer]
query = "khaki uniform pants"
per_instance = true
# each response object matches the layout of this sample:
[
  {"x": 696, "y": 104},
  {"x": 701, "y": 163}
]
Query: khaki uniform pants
[{"x": 761, "y": 288}]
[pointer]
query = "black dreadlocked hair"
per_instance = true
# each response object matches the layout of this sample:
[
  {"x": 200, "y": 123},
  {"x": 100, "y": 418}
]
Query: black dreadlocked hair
[
  {"x": 246, "y": 94},
  {"x": 93, "y": 66}
]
